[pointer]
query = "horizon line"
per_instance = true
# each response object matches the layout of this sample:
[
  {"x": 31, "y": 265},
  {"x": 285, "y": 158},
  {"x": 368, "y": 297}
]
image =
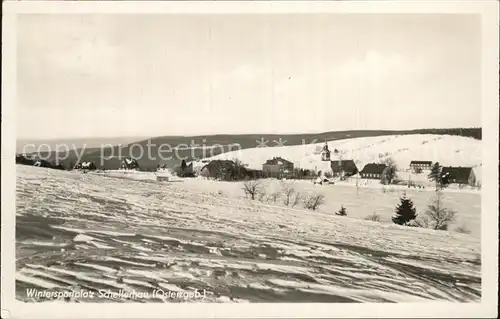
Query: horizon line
[{"x": 241, "y": 134}]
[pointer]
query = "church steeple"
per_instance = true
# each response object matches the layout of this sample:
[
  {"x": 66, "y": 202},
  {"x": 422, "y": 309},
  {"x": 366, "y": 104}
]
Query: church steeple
[{"x": 325, "y": 153}]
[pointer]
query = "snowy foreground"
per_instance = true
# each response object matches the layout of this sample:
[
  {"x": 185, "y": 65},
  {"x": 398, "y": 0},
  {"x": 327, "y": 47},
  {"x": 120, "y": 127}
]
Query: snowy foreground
[{"x": 91, "y": 233}]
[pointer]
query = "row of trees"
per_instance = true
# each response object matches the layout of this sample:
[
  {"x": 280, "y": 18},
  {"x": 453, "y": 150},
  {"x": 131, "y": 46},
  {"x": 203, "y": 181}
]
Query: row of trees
[
  {"x": 287, "y": 194},
  {"x": 436, "y": 216}
]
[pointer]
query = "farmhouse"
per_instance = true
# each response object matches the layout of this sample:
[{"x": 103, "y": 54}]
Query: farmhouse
[
  {"x": 278, "y": 167},
  {"x": 459, "y": 175},
  {"x": 422, "y": 165},
  {"x": 344, "y": 167},
  {"x": 372, "y": 171},
  {"x": 85, "y": 166},
  {"x": 129, "y": 163}
]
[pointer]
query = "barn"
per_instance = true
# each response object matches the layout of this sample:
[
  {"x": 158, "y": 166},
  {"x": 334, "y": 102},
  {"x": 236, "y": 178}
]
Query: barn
[
  {"x": 129, "y": 163},
  {"x": 223, "y": 170},
  {"x": 344, "y": 167},
  {"x": 373, "y": 171},
  {"x": 459, "y": 175}
]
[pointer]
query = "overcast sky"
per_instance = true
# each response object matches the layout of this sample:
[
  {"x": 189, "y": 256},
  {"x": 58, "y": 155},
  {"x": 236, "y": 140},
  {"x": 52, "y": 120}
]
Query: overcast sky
[{"x": 127, "y": 75}]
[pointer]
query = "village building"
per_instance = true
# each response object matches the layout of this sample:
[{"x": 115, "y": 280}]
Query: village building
[
  {"x": 459, "y": 175},
  {"x": 223, "y": 170},
  {"x": 420, "y": 165},
  {"x": 325, "y": 153},
  {"x": 373, "y": 171},
  {"x": 278, "y": 167},
  {"x": 129, "y": 163},
  {"x": 343, "y": 168}
]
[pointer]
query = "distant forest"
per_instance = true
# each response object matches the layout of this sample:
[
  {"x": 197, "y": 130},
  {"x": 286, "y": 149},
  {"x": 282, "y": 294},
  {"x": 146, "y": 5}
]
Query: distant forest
[{"x": 475, "y": 132}]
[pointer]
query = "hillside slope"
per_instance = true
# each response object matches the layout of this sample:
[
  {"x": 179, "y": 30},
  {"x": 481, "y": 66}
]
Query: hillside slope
[{"x": 84, "y": 231}]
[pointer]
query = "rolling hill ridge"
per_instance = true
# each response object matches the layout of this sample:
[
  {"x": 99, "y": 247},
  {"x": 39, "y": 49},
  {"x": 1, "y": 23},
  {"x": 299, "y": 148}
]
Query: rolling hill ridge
[{"x": 169, "y": 149}]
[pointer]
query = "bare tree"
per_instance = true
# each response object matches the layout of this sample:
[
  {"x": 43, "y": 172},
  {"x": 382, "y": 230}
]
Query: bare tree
[
  {"x": 295, "y": 199},
  {"x": 390, "y": 172},
  {"x": 262, "y": 196},
  {"x": 288, "y": 190},
  {"x": 239, "y": 167},
  {"x": 440, "y": 217},
  {"x": 252, "y": 188},
  {"x": 420, "y": 221},
  {"x": 313, "y": 201},
  {"x": 373, "y": 217},
  {"x": 273, "y": 197},
  {"x": 291, "y": 196}
]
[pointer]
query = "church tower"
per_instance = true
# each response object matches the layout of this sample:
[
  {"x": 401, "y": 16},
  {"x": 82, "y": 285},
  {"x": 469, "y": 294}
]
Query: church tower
[{"x": 325, "y": 153}]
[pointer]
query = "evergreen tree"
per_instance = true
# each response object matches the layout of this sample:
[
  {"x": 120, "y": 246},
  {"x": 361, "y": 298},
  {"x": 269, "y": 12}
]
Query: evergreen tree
[
  {"x": 342, "y": 211},
  {"x": 405, "y": 211},
  {"x": 435, "y": 173}
]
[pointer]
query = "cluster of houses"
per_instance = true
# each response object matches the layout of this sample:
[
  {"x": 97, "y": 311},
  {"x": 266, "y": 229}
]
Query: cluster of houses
[
  {"x": 459, "y": 175},
  {"x": 33, "y": 160},
  {"x": 278, "y": 167}
]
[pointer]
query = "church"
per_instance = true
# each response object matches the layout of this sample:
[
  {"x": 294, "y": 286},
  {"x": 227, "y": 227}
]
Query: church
[
  {"x": 325, "y": 153},
  {"x": 339, "y": 167}
]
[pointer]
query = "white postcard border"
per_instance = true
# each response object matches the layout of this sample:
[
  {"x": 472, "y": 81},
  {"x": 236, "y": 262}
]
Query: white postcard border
[{"x": 489, "y": 238}]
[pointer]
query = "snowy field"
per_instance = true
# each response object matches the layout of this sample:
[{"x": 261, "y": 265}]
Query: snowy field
[
  {"x": 362, "y": 202},
  {"x": 89, "y": 232}
]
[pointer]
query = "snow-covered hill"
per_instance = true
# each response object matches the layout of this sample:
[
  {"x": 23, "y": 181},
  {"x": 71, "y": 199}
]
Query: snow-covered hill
[{"x": 449, "y": 150}]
